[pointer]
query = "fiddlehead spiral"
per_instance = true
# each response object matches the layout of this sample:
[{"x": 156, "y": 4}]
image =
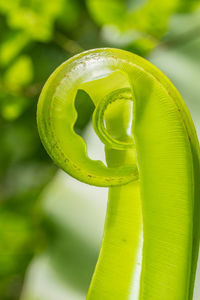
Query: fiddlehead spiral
[
  {"x": 124, "y": 94},
  {"x": 151, "y": 238},
  {"x": 57, "y": 115}
]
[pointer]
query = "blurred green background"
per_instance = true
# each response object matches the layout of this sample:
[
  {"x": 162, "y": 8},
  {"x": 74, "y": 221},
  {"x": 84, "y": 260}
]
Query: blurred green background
[{"x": 50, "y": 224}]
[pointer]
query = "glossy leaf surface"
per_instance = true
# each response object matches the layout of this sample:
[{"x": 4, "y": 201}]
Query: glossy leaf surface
[{"x": 151, "y": 237}]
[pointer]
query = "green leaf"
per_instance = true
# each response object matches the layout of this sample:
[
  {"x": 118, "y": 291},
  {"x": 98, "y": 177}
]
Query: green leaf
[{"x": 20, "y": 73}]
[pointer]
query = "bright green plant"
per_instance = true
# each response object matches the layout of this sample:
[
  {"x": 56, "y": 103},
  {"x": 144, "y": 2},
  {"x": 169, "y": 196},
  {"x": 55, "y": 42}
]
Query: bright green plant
[{"x": 151, "y": 239}]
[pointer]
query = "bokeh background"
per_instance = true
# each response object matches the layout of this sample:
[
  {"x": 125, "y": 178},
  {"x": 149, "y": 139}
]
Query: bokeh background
[{"x": 50, "y": 224}]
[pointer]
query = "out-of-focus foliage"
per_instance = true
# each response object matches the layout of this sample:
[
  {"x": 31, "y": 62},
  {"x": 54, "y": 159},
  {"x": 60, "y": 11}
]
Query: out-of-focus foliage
[
  {"x": 31, "y": 46},
  {"x": 35, "y": 37},
  {"x": 136, "y": 25},
  {"x": 36, "y": 18}
]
